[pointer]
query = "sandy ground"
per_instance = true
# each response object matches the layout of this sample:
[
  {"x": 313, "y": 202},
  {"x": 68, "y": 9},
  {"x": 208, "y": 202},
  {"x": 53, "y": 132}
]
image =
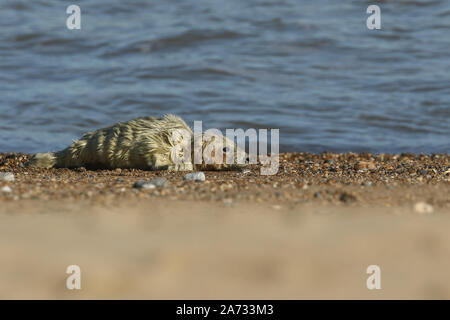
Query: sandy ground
[{"x": 308, "y": 232}]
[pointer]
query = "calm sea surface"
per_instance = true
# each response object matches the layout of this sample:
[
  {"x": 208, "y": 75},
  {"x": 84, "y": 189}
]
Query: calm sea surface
[{"x": 310, "y": 68}]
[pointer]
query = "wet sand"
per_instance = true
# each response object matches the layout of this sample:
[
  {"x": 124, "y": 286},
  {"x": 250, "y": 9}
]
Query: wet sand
[{"x": 308, "y": 232}]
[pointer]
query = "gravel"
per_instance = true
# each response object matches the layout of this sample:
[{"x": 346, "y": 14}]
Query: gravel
[{"x": 327, "y": 178}]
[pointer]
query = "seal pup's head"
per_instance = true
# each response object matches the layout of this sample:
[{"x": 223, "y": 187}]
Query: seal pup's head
[{"x": 218, "y": 152}]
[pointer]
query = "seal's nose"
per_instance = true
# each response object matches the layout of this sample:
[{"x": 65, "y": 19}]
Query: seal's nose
[{"x": 247, "y": 160}]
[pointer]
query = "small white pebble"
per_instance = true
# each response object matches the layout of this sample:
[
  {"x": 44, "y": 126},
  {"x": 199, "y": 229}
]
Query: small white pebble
[
  {"x": 7, "y": 176},
  {"x": 148, "y": 186},
  {"x": 195, "y": 176},
  {"x": 423, "y": 208},
  {"x": 142, "y": 184},
  {"x": 159, "y": 182},
  {"x": 6, "y": 189}
]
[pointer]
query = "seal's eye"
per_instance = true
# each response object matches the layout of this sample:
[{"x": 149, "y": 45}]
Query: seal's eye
[{"x": 225, "y": 149}]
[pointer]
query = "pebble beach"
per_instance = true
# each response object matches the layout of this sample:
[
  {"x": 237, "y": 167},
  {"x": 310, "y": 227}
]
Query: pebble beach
[{"x": 302, "y": 178}]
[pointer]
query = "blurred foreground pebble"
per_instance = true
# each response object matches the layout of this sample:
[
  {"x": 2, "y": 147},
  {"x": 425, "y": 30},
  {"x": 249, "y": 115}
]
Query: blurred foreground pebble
[
  {"x": 6, "y": 176},
  {"x": 6, "y": 189},
  {"x": 423, "y": 208}
]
